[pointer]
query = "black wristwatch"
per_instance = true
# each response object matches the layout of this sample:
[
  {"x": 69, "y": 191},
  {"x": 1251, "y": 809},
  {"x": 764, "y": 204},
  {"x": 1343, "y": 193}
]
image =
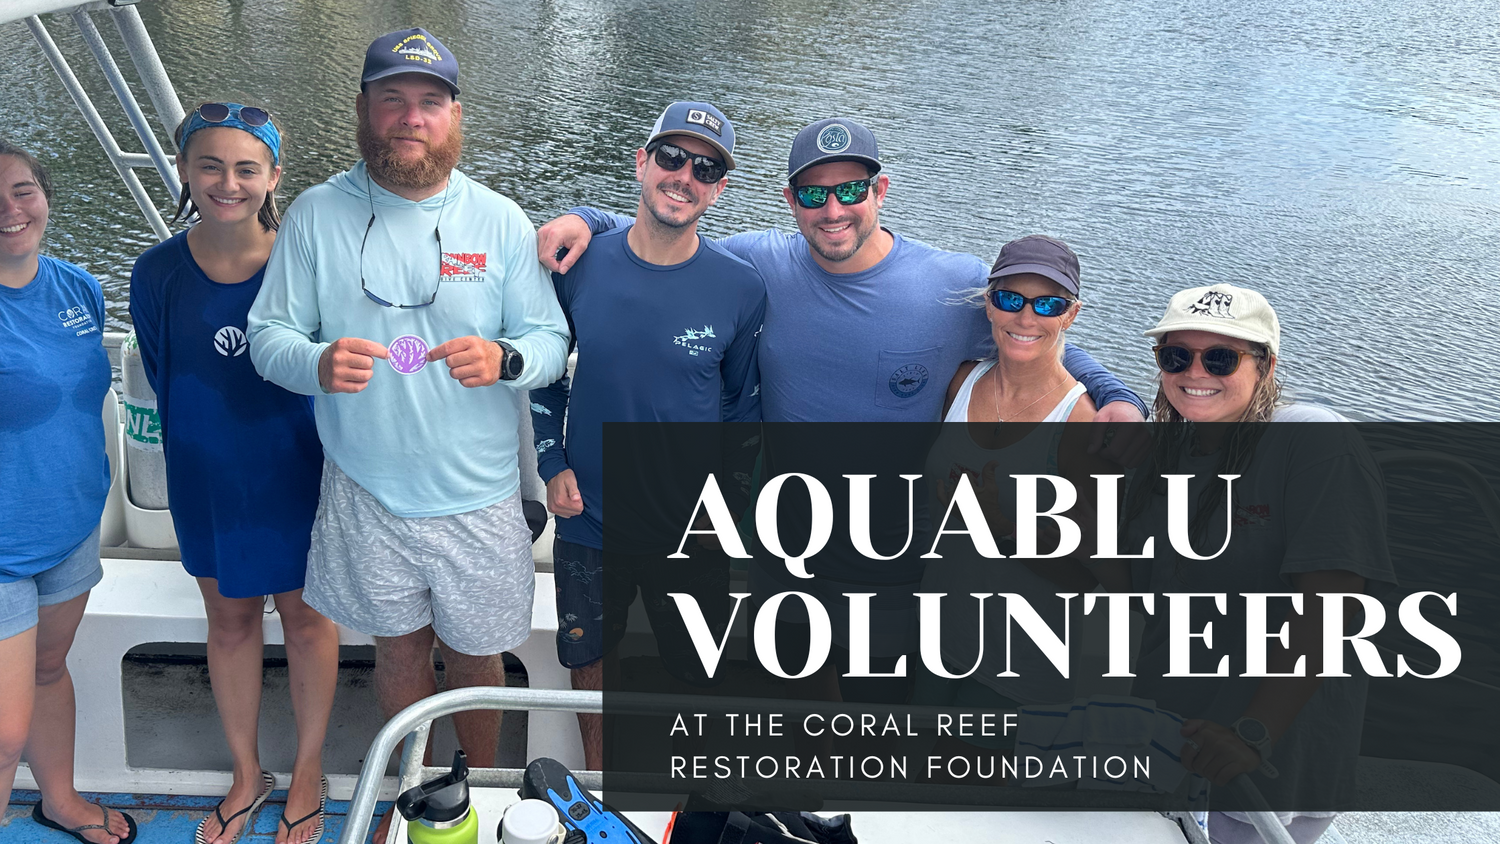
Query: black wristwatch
[
  {"x": 511, "y": 363},
  {"x": 1255, "y": 734}
]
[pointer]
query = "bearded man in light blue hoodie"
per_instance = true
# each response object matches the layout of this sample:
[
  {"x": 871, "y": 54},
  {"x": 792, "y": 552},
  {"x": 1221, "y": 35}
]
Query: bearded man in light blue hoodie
[{"x": 407, "y": 300}]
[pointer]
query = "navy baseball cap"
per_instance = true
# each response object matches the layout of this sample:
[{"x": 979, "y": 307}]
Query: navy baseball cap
[
  {"x": 834, "y": 139},
  {"x": 1040, "y": 255},
  {"x": 410, "y": 51},
  {"x": 697, "y": 120}
]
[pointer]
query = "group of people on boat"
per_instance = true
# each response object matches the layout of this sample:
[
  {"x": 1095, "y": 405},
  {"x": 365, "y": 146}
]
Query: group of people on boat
[{"x": 341, "y": 392}]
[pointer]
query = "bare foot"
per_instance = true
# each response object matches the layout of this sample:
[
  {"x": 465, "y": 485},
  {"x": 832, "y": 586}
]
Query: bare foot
[
  {"x": 242, "y": 792},
  {"x": 80, "y": 812},
  {"x": 302, "y": 799},
  {"x": 383, "y": 829}
]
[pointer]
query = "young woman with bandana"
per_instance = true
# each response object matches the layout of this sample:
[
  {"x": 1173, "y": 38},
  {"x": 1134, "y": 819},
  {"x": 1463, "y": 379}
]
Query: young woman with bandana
[{"x": 243, "y": 456}]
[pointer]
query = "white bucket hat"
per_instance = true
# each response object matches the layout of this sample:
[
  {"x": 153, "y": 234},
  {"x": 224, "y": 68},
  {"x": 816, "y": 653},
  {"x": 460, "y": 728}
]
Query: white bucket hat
[{"x": 1222, "y": 309}]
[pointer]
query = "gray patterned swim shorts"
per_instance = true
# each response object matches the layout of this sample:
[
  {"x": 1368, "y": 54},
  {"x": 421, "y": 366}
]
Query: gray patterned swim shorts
[{"x": 470, "y": 575}]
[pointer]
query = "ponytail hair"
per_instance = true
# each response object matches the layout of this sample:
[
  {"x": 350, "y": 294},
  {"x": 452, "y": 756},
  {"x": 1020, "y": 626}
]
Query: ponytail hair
[{"x": 268, "y": 215}]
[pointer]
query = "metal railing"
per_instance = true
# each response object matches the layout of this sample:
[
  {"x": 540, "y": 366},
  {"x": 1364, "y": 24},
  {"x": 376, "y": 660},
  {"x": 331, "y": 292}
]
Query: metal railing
[{"x": 153, "y": 77}]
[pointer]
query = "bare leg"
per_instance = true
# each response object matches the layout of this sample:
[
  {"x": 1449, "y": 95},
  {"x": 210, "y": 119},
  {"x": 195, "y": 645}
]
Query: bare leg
[
  {"x": 404, "y": 674},
  {"x": 236, "y": 662},
  {"x": 479, "y": 729},
  {"x": 17, "y": 662},
  {"x": 591, "y": 726},
  {"x": 49, "y": 747},
  {"x": 312, "y": 651}
]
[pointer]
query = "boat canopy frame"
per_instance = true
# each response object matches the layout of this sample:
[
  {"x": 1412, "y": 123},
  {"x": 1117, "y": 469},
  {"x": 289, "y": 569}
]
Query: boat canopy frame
[{"x": 153, "y": 78}]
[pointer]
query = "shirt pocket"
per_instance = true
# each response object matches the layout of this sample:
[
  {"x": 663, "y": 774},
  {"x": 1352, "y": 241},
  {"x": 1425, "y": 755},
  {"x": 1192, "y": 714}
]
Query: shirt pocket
[{"x": 903, "y": 379}]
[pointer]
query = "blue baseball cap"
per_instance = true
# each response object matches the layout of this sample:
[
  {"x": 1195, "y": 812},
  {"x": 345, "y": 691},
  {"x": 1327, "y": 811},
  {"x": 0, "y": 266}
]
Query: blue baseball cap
[
  {"x": 834, "y": 139},
  {"x": 410, "y": 51},
  {"x": 697, "y": 120}
]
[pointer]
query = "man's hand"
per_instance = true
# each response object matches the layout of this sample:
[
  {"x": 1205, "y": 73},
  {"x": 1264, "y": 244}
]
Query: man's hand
[
  {"x": 568, "y": 234},
  {"x": 348, "y": 364},
  {"x": 562, "y": 495},
  {"x": 1214, "y": 752},
  {"x": 1119, "y": 434},
  {"x": 472, "y": 361}
]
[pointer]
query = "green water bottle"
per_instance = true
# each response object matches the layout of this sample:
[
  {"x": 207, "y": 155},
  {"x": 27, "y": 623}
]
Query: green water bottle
[{"x": 438, "y": 812}]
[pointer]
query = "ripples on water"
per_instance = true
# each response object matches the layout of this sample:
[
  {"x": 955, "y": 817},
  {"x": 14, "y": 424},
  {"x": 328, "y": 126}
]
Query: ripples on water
[{"x": 1340, "y": 157}]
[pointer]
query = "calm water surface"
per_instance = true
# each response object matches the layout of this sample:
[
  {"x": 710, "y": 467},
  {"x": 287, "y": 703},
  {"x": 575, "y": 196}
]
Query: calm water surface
[{"x": 1344, "y": 158}]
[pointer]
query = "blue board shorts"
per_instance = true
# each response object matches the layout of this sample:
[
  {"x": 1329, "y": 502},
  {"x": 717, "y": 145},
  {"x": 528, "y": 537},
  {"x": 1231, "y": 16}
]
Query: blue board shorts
[
  {"x": 20, "y": 600},
  {"x": 592, "y": 609}
]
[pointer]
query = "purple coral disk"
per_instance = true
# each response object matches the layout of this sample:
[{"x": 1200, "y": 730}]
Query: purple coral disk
[{"x": 408, "y": 354}]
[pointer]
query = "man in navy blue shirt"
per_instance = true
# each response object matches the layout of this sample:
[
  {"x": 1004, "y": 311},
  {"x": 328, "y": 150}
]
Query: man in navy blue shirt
[{"x": 665, "y": 323}]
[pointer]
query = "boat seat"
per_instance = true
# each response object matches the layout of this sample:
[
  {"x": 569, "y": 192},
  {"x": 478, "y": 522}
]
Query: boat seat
[{"x": 148, "y": 601}]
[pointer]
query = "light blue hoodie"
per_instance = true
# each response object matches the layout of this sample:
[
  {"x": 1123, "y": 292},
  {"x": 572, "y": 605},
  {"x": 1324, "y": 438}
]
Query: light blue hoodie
[{"x": 422, "y": 444}]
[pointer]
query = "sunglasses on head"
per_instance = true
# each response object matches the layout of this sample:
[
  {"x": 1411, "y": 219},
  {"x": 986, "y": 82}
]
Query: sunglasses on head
[
  {"x": 848, "y": 193},
  {"x": 1048, "y": 306},
  {"x": 1219, "y": 361},
  {"x": 706, "y": 169},
  {"x": 220, "y": 112}
]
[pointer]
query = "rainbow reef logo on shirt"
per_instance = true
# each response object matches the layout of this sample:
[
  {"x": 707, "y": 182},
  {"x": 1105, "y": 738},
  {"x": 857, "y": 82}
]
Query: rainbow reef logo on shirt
[
  {"x": 463, "y": 266},
  {"x": 416, "y": 48},
  {"x": 230, "y": 342},
  {"x": 908, "y": 380},
  {"x": 689, "y": 339}
]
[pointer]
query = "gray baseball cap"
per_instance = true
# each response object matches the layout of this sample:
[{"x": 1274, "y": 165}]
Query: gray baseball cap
[
  {"x": 698, "y": 120},
  {"x": 834, "y": 139},
  {"x": 1041, "y": 255}
]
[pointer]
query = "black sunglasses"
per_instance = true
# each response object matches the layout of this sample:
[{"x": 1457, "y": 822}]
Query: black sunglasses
[
  {"x": 437, "y": 232},
  {"x": 706, "y": 169},
  {"x": 1219, "y": 361},
  {"x": 848, "y": 193},
  {"x": 1012, "y": 302},
  {"x": 220, "y": 112}
]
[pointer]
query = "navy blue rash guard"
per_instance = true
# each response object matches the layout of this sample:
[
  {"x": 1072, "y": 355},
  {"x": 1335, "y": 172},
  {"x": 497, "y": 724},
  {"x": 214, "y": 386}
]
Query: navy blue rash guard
[
  {"x": 243, "y": 456},
  {"x": 655, "y": 343}
]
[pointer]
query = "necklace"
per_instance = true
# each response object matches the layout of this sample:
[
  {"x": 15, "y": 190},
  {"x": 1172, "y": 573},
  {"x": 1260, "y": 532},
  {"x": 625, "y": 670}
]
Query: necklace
[{"x": 996, "y": 387}]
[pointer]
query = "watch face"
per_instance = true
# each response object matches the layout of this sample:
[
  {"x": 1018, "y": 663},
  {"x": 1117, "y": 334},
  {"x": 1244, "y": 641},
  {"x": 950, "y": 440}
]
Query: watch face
[{"x": 1252, "y": 730}]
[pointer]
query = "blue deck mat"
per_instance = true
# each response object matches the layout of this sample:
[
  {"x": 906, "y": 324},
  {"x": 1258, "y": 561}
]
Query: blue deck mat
[{"x": 164, "y": 818}]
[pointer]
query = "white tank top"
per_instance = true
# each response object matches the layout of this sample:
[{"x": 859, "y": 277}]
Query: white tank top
[{"x": 959, "y": 412}]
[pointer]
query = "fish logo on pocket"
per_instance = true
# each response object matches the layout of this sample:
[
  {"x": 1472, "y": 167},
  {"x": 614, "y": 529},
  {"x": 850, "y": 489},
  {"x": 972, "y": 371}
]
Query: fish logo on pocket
[{"x": 408, "y": 354}]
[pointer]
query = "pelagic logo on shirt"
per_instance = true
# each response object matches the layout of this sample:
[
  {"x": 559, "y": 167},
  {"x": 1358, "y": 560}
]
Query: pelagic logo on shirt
[
  {"x": 463, "y": 266},
  {"x": 689, "y": 339},
  {"x": 78, "y": 319},
  {"x": 230, "y": 342}
]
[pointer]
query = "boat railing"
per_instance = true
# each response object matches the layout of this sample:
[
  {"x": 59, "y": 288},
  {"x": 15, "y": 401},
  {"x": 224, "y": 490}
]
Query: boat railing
[{"x": 153, "y": 77}]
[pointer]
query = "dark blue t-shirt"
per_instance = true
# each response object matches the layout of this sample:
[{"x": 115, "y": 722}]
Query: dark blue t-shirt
[
  {"x": 54, "y": 374},
  {"x": 243, "y": 456},
  {"x": 672, "y": 343}
]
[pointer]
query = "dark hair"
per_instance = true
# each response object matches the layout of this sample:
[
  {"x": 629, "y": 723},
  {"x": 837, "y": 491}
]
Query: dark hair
[
  {"x": 38, "y": 170},
  {"x": 268, "y": 215}
]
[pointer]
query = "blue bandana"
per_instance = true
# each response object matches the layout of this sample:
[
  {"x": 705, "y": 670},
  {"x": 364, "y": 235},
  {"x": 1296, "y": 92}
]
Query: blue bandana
[{"x": 268, "y": 133}]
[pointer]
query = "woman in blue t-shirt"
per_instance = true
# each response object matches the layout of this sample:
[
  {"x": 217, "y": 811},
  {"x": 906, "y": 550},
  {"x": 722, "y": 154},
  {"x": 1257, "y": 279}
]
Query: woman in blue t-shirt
[
  {"x": 54, "y": 375},
  {"x": 243, "y": 456}
]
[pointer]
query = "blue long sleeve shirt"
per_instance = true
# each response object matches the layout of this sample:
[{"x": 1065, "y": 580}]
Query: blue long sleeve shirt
[
  {"x": 243, "y": 457},
  {"x": 673, "y": 343},
  {"x": 878, "y": 345},
  {"x": 421, "y": 443}
]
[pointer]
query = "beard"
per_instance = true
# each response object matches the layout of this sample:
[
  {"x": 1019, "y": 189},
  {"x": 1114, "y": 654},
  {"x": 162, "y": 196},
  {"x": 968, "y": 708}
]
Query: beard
[
  {"x": 392, "y": 168},
  {"x": 685, "y": 217},
  {"x": 862, "y": 231}
]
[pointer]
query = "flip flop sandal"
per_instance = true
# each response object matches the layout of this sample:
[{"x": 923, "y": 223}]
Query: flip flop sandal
[
  {"x": 267, "y": 783},
  {"x": 317, "y": 833},
  {"x": 76, "y": 831}
]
